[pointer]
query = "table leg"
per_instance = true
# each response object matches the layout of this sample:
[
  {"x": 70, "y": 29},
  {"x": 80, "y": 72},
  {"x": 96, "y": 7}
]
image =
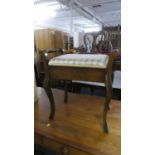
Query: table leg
[{"x": 50, "y": 97}]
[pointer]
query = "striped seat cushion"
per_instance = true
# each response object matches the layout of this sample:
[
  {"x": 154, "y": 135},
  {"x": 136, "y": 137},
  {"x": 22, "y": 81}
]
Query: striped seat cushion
[{"x": 80, "y": 60}]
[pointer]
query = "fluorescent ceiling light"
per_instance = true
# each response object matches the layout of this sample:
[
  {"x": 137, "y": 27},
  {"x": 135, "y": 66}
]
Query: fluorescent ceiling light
[
  {"x": 42, "y": 13},
  {"x": 47, "y": 10}
]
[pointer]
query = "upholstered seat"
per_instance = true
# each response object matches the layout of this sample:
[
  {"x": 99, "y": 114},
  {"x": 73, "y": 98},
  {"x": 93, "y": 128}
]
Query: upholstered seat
[{"x": 80, "y": 60}]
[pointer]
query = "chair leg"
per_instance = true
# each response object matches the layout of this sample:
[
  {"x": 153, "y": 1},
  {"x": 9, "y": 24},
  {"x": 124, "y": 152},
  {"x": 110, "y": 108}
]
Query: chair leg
[{"x": 50, "y": 97}]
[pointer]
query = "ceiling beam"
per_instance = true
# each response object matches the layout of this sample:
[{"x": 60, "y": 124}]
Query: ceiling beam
[
  {"x": 88, "y": 11},
  {"x": 101, "y": 3},
  {"x": 84, "y": 11}
]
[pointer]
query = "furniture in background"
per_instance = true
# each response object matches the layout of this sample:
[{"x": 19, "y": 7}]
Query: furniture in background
[
  {"x": 115, "y": 38},
  {"x": 103, "y": 42},
  {"x": 49, "y": 38},
  {"x": 97, "y": 42},
  {"x": 84, "y": 73},
  {"x": 52, "y": 38}
]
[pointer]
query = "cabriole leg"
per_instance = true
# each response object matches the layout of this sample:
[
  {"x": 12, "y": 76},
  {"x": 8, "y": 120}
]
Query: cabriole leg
[
  {"x": 50, "y": 97},
  {"x": 106, "y": 106}
]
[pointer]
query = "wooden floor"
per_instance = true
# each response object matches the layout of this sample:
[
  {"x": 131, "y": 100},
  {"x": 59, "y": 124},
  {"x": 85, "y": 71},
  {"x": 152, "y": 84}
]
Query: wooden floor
[{"x": 79, "y": 122}]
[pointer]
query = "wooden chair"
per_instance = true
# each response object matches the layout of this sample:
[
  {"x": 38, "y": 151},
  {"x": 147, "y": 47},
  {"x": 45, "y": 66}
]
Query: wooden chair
[{"x": 98, "y": 42}]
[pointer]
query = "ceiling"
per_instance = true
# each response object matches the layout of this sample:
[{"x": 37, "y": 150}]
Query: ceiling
[{"x": 77, "y": 15}]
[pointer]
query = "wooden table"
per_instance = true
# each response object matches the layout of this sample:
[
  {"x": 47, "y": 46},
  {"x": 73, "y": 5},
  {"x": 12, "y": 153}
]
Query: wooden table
[
  {"x": 103, "y": 75},
  {"x": 76, "y": 129}
]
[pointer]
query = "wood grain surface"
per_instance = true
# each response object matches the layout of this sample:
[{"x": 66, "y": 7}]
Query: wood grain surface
[{"x": 78, "y": 124}]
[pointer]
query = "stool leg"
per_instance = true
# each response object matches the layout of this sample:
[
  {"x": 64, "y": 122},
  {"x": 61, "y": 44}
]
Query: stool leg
[
  {"x": 66, "y": 92},
  {"x": 50, "y": 97},
  {"x": 106, "y": 105},
  {"x": 92, "y": 91}
]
